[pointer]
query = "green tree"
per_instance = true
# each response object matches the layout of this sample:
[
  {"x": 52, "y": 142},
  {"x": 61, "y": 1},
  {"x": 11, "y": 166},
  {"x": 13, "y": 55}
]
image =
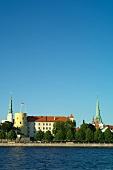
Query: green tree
[
  {"x": 108, "y": 135},
  {"x": 101, "y": 136},
  {"x": 80, "y": 135},
  {"x": 11, "y": 135},
  {"x": 7, "y": 126},
  {"x": 58, "y": 126},
  {"x": 98, "y": 135},
  {"x": 63, "y": 127},
  {"x": 84, "y": 126},
  {"x": 2, "y": 135},
  {"x": 69, "y": 135},
  {"x": 69, "y": 125},
  {"x": 89, "y": 135},
  {"x": 48, "y": 136},
  {"x": 59, "y": 135},
  {"x": 39, "y": 136}
]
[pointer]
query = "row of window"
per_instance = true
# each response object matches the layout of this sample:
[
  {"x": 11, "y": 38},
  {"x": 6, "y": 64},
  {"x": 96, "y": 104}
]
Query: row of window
[
  {"x": 47, "y": 124},
  {"x": 47, "y": 128}
]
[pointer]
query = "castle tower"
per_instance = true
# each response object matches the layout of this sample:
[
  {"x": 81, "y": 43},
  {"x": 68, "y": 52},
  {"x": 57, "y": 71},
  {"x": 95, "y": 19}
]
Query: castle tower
[
  {"x": 71, "y": 117},
  {"x": 10, "y": 111},
  {"x": 21, "y": 122}
]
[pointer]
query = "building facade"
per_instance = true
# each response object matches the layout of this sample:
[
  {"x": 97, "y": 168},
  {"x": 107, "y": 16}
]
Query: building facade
[{"x": 44, "y": 123}]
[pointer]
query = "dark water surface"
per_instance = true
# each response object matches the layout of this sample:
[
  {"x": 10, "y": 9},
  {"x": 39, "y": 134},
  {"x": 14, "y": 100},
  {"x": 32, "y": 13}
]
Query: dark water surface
[{"x": 54, "y": 158}]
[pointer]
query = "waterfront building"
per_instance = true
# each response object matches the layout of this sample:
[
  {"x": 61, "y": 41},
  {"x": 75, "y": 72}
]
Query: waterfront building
[{"x": 44, "y": 123}]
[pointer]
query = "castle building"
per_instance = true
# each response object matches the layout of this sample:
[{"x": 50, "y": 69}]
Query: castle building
[
  {"x": 44, "y": 123},
  {"x": 27, "y": 126}
]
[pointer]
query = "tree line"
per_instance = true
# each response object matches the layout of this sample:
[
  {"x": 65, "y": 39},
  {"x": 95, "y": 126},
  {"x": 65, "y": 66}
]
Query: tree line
[
  {"x": 88, "y": 132},
  {"x": 61, "y": 131},
  {"x": 65, "y": 131},
  {"x": 7, "y": 131}
]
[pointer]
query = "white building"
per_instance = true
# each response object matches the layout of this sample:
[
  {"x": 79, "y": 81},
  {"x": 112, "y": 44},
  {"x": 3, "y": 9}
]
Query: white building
[{"x": 43, "y": 123}]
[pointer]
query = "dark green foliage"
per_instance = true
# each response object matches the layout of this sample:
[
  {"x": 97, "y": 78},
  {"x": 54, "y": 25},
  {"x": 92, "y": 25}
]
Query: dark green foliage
[
  {"x": 59, "y": 136},
  {"x": 57, "y": 126},
  {"x": 80, "y": 135},
  {"x": 39, "y": 136},
  {"x": 108, "y": 135},
  {"x": 84, "y": 126},
  {"x": 48, "y": 136},
  {"x": 85, "y": 132},
  {"x": 11, "y": 135},
  {"x": 69, "y": 135},
  {"x": 98, "y": 135},
  {"x": 7, "y": 126},
  {"x": 60, "y": 129},
  {"x": 2, "y": 135},
  {"x": 89, "y": 135}
]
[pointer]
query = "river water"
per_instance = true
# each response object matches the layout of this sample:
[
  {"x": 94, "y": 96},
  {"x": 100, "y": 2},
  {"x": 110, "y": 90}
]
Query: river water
[{"x": 55, "y": 158}]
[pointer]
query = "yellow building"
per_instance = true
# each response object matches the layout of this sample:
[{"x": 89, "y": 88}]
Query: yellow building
[{"x": 21, "y": 122}]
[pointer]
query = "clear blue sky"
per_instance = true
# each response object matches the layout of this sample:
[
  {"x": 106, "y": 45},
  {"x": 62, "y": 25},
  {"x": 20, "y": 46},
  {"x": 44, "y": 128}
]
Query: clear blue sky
[{"x": 55, "y": 56}]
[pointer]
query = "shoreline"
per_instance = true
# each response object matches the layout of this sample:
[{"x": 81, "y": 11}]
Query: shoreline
[{"x": 68, "y": 144}]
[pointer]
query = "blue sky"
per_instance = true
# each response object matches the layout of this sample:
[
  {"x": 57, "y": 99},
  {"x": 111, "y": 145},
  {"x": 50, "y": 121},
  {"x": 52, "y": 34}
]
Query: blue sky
[{"x": 55, "y": 56}]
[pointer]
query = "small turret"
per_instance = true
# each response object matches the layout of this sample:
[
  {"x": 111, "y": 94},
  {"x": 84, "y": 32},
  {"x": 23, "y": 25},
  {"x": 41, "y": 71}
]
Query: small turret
[{"x": 71, "y": 117}]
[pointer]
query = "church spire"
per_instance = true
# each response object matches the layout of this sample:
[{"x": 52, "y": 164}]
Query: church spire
[
  {"x": 10, "y": 106},
  {"x": 97, "y": 109}
]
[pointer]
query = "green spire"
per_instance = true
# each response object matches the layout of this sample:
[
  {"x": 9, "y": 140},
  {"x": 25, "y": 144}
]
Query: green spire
[
  {"x": 97, "y": 109},
  {"x": 10, "y": 106}
]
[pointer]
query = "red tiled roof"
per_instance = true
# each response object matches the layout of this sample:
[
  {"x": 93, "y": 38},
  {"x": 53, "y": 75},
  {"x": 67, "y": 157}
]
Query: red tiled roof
[
  {"x": 109, "y": 126},
  {"x": 71, "y": 116},
  {"x": 46, "y": 118}
]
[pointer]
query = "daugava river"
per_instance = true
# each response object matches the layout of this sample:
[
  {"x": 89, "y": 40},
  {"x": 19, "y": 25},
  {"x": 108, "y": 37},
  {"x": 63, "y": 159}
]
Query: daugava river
[{"x": 54, "y": 158}]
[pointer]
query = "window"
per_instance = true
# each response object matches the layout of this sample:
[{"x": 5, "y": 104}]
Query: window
[
  {"x": 38, "y": 123},
  {"x": 20, "y": 122},
  {"x": 47, "y": 124},
  {"x": 46, "y": 128},
  {"x": 43, "y": 128},
  {"x": 43, "y": 123},
  {"x": 49, "y": 128},
  {"x": 39, "y": 128}
]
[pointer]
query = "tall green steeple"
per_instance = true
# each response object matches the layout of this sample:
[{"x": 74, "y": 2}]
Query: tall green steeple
[
  {"x": 10, "y": 106},
  {"x": 98, "y": 111}
]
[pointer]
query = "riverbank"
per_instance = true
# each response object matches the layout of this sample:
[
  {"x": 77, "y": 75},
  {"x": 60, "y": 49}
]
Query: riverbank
[{"x": 68, "y": 144}]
